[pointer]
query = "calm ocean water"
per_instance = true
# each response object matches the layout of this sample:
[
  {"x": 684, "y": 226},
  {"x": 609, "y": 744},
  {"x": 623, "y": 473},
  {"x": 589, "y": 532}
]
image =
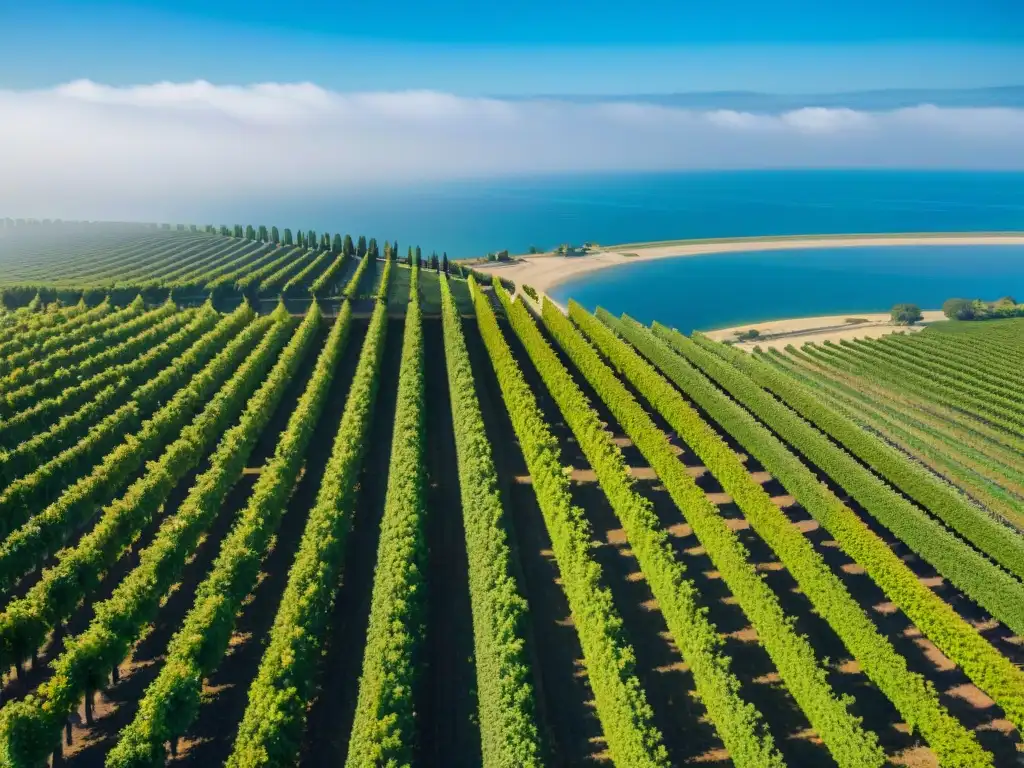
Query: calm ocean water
[
  {"x": 471, "y": 218},
  {"x": 721, "y": 290}
]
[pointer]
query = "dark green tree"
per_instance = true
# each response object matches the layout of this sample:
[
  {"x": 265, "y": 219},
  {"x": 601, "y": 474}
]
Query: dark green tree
[
  {"x": 225, "y": 231},
  {"x": 387, "y": 251},
  {"x": 409, "y": 257},
  {"x": 361, "y": 246},
  {"x": 275, "y": 235},
  {"x": 336, "y": 245},
  {"x": 250, "y": 233},
  {"x": 434, "y": 263},
  {"x": 348, "y": 248},
  {"x": 958, "y": 309},
  {"x": 300, "y": 239},
  {"x": 262, "y": 235},
  {"x": 371, "y": 248},
  {"x": 444, "y": 262},
  {"x": 906, "y": 314},
  {"x": 311, "y": 239},
  {"x": 239, "y": 231},
  {"x": 288, "y": 237},
  {"x": 419, "y": 256},
  {"x": 325, "y": 242}
]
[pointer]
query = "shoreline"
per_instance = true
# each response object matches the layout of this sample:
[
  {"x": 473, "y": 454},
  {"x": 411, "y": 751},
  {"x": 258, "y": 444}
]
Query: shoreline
[
  {"x": 546, "y": 271},
  {"x": 820, "y": 328}
]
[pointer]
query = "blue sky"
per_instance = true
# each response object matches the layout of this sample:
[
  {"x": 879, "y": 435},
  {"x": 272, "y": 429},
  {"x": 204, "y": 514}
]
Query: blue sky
[
  {"x": 520, "y": 48},
  {"x": 136, "y": 109}
]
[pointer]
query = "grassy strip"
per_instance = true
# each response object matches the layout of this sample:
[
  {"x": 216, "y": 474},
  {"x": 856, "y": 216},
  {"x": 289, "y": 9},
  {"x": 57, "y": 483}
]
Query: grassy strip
[
  {"x": 915, "y": 699},
  {"x": 738, "y": 722},
  {"x": 791, "y": 653},
  {"x": 990, "y": 670},
  {"x": 505, "y": 694}
]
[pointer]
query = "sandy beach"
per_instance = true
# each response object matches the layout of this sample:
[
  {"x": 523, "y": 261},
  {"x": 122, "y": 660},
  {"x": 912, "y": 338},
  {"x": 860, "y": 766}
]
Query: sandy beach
[
  {"x": 800, "y": 330},
  {"x": 544, "y": 271}
]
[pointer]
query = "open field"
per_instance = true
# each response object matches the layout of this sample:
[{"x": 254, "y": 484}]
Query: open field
[
  {"x": 543, "y": 272},
  {"x": 412, "y": 520}
]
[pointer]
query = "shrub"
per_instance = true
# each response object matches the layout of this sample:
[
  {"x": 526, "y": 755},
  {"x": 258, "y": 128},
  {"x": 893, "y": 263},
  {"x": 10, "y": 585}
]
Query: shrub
[
  {"x": 958, "y": 309},
  {"x": 906, "y": 314}
]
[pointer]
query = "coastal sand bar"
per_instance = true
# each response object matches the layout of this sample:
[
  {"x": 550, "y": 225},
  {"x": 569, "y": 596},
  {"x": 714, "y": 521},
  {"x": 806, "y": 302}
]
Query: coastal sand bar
[
  {"x": 796, "y": 331},
  {"x": 544, "y": 271}
]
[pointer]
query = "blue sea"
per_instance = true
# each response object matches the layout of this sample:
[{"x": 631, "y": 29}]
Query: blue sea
[
  {"x": 722, "y": 290},
  {"x": 471, "y": 218}
]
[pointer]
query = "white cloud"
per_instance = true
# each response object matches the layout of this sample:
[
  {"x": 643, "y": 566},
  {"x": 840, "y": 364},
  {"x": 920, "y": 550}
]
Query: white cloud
[{"x": 91, "y": 150}]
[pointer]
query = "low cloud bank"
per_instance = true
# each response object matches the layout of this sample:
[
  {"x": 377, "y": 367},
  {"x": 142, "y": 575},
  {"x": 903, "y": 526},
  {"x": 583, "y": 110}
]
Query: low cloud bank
[{"x": 89, "y": 150}]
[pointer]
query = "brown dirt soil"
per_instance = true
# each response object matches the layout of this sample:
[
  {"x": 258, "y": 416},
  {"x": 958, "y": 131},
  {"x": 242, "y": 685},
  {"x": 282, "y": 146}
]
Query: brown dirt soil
[{"x": 565, "y": 700}]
